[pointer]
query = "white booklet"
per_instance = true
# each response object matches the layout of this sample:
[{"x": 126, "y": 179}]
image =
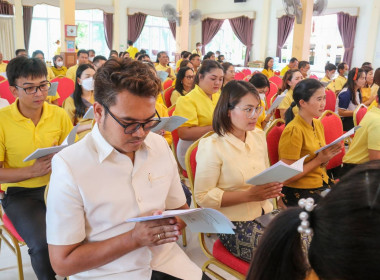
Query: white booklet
[
  {"x": 162, "y": 75},
  {"x": 89, "y": 115},
  {"x": 53, "y": 89},
  {"x": 279, "y": 172},
  {"x": 276, "y": 103},
  {"x": 341, "y": 138},
  {"x": 197, "y": 220},
  {"x": 169, "y": 123},
  {"x": 41, "y": 152}
]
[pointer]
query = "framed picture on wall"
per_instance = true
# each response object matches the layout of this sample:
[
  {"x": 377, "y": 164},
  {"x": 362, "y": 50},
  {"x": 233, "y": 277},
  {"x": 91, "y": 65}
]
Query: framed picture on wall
[
  {"x": 70, "y": 46},
  {"x": 71, "y": 30}
]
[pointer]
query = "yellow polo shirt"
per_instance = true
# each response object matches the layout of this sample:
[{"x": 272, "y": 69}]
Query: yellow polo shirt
[
  {"x": 367, "y": 137},
  {"x": 162, "y": 110},
  {"x": 50, "y": 73},
  {"x": 132, "y": 51},
  {"x": 374, "y": 89},
  {"x": 72, "y": 72},
  {"x": 178, "y": 63},
  {"x": 159, "y": 67},
  {"x": 330, "y": 83},
  {"x": 284, "y": 70},
  {"x": 287, "y": 101},
  {"x": 175, "y": 95},
  {"x": 373, "y": 104},
  {"x": 19, "y": 137},
  {"x": 298, "y": 140},
  {"x": 268, "y": 73},
  {"x": 69, "y": 106},
  {"x": 3, "y": 67},
  {"x": 61, "y": 72},
  {"x": 197, "y": 107},
  {"x": 339, "y": 82}
]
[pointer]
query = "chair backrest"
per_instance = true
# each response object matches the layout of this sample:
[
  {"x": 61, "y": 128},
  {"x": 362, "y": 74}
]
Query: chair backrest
[
  {"x": 239, "y": 76},
  {"x": 2, "y": 78},
  {"x": 171, "y": 110},
  {"x": 312, "y": 76},
  {"x": 359, "y": 113},
  {"x": 246, "y": 72},
  {"x": 65, "y": 88},
  {"x": 273, "y": 136},
  {"x": 330, "y": 100},
  {"x": 333, "y": 128},
  {"x": 5, "y": 92},
  {"x": 277, "y": 80},
  {"x": 277, "y": 73},
  {"x": 270, "y": 93},
  {"x": 168, "y": 83},
  {"x": 167, "y": 94}
]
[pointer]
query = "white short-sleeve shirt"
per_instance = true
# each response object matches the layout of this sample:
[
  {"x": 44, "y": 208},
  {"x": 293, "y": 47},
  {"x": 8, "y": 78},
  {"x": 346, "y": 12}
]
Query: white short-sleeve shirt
[{"x": 94, "y": 189}]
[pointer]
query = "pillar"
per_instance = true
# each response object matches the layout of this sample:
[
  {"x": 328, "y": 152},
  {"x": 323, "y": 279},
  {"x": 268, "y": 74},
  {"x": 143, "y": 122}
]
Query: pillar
[
  {"x": 182, "y": 31},
  {"x": 19, "y": 25},
  {"x": 302, "y": 32},
  {"x": 67, "y": 10},
  {"x": 264, "y": 30},
  {"x": 116, "y": 27},
  {"x": 374, "y": 26}
]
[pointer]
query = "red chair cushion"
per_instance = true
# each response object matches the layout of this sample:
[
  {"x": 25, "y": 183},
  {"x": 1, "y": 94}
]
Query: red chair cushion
[
  {"x": 171, "y": 111},
  {"x": 167, "y": 94},
  {"x": 360, "y": 114},
  {"x": 9, "y": 226},
  {"x": 224, "y": 256},
  {"x": 193, "y": 161},
  {"x": 313, "y": 77},
  {"x": 6, "y": 93},
  {"x": 168, "y": 83},
  {"x": 330, "y": 100},
  {"x": 273, "y": 138},
  {"x": 277, "y": 73},
  {"x": 277, "y": 80},
  {"x": 65, "y": 88},
  {"x": 246, "y": 72},
  {"x": 239, "y": 76},
  {"x": 270, "y": 93}
]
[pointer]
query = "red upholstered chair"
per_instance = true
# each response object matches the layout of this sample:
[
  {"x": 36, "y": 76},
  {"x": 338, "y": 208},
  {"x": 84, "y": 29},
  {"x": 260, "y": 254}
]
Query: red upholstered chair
[
  {"x": 171, "y": 110},
  {"x": 273, "y": 135},
  {"x": 2, "y": 78},
  {"x": 168, "y": 83},
  {"x": 333, "y": 128},
  {"x": 174, "y": 149},
  {"x": 65, "y": 88},
  {"x": 330, "y": 100},
  {"x": 167, "y": 94},
  {"x": 246, "y": 72},
  {"x": 359, "y": 113},
  {"x": 220, "y": 256},
  {"x": 12, "y": 239},
  {"x": 277, "y": 73},
  {"x": 277, "y": 80},
  {"x": 312, "y": 76},
  {"x": 5, "y": 91},
  {"x": 239, "y": 76},
  {"x": 270, "y": 93}
]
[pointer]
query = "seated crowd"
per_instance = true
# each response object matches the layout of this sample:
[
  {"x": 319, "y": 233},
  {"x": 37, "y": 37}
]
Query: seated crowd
[{"x": 119, "y": 169}]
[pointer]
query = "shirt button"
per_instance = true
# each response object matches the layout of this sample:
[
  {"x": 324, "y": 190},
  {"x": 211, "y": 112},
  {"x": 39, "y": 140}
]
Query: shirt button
[{"x": 138, "y": 199}]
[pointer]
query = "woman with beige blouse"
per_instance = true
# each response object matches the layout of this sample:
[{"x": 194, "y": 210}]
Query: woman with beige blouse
[{"x": 227, "y": 159}]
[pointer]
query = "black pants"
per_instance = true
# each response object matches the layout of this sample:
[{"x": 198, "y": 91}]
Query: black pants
[
  {"x": 158, "y": 275},
  {"x": 27, "y": 211}
]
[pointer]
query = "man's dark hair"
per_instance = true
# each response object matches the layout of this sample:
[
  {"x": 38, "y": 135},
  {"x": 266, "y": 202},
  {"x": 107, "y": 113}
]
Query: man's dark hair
[
  {"x": 341, "y": 66},
  {"x": 23, "y": 67},
  {"x": 98, "y": 58},
  {"x": 193, "y": 55},
  {"x": 19, "y": 50},
  {"x": 303, "y": 64},
  {"x": 37, "y": 52},
  {"x": 330, "y": 67},
  {"x": 91, "y": 50},
  {"x": 293, "y": 59},
  {"x": 141, "y": 57},
  {"x": 130, "y": 43},
  {"x": 82, "y": 51}
]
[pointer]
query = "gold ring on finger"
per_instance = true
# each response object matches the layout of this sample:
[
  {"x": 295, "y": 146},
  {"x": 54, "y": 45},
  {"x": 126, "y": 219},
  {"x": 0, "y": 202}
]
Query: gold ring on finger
[{"x": 158, "y": 236}]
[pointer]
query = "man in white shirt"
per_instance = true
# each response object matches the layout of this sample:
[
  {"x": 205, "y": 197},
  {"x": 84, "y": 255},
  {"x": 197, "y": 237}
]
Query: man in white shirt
[{"x": 118, "y": 171}]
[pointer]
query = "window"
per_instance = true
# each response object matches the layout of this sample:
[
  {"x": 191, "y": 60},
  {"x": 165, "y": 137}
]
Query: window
[
  {"x": 156, "y": 36},
  {"x": 286, "y": 51},
  {"x": 91, "y": 31},
  {"x": 228, "y": 44},
  {"x": 45, "y": 30}
]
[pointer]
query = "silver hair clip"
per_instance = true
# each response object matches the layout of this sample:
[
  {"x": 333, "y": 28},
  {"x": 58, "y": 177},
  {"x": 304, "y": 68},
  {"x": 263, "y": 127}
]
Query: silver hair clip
[{"x": 309, "y": 205}]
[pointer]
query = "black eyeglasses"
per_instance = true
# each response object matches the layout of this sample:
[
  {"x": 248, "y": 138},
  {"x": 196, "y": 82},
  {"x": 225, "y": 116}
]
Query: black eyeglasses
[
  {"x": 33, "y": 90},
  {"x": 133, "y": 127}
]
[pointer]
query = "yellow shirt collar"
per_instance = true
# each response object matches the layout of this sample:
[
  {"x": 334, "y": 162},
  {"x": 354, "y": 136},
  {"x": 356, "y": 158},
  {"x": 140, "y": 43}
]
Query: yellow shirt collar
[{"x": 46, "y": 113}]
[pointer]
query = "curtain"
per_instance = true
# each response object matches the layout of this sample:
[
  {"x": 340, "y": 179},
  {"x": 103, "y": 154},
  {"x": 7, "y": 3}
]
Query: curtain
[
  {"x": 285, "y": 26},
  {"x": 6, "y": 8},
  {"x": 243, "y": 29},
  {"x": 347, "y": 29},
  {"x": 108, "y": 28},
  {"x": 27, "y": 16},
  {"x": 173, "y": 26},
  {"x": 210, "y": 26},
  {"x": 136, "y": 24},
  {"x": 7, "y": 46}
]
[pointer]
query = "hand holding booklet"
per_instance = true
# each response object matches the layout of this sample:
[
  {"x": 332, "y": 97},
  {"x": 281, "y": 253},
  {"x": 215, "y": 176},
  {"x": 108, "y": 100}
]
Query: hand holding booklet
[
  {"x": 89, "y": 115},
  {"x": 41, "y": 152},
  {"x": 197, "y": 220},
  {"x": 169, "y": 123},
  {"x": 276, "y": 102},
  {"x": 339, "y": 139},
  {"x": 279, "y": 172},
  {"x": 53, "y": 89}
]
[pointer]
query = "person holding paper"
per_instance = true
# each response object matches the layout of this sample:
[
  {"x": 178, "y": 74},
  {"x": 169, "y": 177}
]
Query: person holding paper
[
  {"x": 117, "y": 172},
  {"x": 366, "y": 143},
  {"x": 350, "y": 97},
  {"x": 198, "y": 106},
  {"x": 227, "y": 159},
  {"x": 289, "y": 82},
  {"x": 77, "y": 104},
  {"x": 29, "y": 123},
  {"x": 303, "y": 135},
  {"x": 163, "y": 64}
]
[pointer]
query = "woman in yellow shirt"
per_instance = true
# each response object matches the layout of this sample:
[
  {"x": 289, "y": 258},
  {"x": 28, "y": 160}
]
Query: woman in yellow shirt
[
  {"x": 229, "y": 72},
  {"x": 58, "y": 68},
  {"x": 302, "y": 136},
  {"x": 289, "y": 81},
  {"x": 198, "y": 106},
  {"x": 367, "y": 98},
  {"x": 82, "y": 99},
  {"x": 227, "y": 159},
  {"x": 184, "y": 84},
  {"x": 268, "y": 67}
]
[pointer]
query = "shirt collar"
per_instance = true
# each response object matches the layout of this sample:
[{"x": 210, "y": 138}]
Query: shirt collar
[
  {"x": 237, "y": 142},
  {"x": 46, "y": 113},
  {"x": 304, "y": 123}
]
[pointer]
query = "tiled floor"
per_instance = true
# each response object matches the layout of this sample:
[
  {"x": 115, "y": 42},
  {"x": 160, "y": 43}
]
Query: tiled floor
[{"x": 8, "y": 263}]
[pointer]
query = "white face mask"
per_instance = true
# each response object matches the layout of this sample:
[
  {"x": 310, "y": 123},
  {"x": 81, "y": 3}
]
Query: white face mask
[
  {"x": 91, "y": 58},
  {"x": 59, "y": 63},
  {"x": 88, "y": 84}
]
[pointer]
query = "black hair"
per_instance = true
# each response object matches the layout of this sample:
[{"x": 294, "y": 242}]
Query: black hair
[
  {"x": 142, "y": 56},
  {"x": 121, "y": 54},
  {"x": 220, "y": 58},
  {"x": 378, "y": 93},
  {"x": 143, "y": 51},
  {"x": 267, "y": 61},
  {"x": 293, "y": 59},
  {"x": 98, "y": 58},
  {"x": 206, "y": 67},
  {"x": 184, "y": 63},
  {"x": 80, "y": 107},
  {"x": 159, "y": 55},
  {"x": 137, "y": 54},
  {"x": 130, "y": 43},
  {"x": 330, "y": 67},
  {"x": 259, "y": 80},
  {"x": 210, "y": 53},
  {"x": 345, "y": 243},
  {"x": 19, "y": 50},
  {"x": 206, "y": 56},
  {"x": 91, "y": 50},
  {"x": 82, "y": 51},
  {"x": 183, "y": 52},
  {"x": 23, "y": 67},
  {"x": 197, "y": 44},
  {"x": 225, "y": 66},
  {"x": 303, "y": 64},
  {"x": 186, "y": 55},
  {"x": 287, "y": 77},
  {"x": 376, "y": 77},
  {"x": 113, "y": 52},
  {"x": 193, "y": 55},
  {"x": 180, "y": 76},
  {"x": 366, "y": 64},
  {"x": 304, "y": 90},
  {"x": 350, "y": 84},
  {"x": 55, "y": 59},
  {"x": 341, "y": 66},
  {"x": 37, "y": 52}
]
